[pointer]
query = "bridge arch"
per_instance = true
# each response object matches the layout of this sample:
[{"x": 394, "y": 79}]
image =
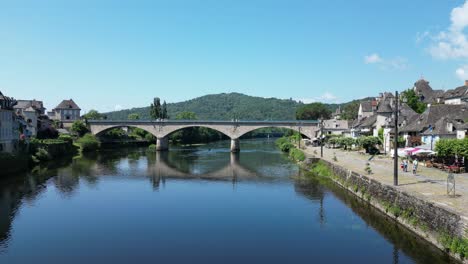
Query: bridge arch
[
  {"x": 296, "y": 129},
  {"x": 225, "y": 131},
  {"x": 101, "y": 130}
]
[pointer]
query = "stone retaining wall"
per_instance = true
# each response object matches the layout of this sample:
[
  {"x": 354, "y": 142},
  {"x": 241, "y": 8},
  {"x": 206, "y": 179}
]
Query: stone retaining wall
[{"x": 433, "y": 218}]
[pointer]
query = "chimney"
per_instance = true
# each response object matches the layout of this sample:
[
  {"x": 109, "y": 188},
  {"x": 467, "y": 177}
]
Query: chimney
[{"x": 466, "y": 82}]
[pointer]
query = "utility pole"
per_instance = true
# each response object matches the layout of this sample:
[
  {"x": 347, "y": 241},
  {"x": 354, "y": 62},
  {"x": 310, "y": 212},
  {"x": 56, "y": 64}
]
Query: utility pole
[
  {"x": 321, "y": 137},
  {"x": 395, "y": 146}
]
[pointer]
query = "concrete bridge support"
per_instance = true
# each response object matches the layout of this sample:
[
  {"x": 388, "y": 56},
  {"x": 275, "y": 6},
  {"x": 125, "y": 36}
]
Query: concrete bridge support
[
  {"x": 235, "y": 145},
  {"x": 162, "y": 144}
]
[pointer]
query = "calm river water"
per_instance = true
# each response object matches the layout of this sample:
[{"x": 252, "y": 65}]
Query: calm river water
[{"x": 193, "y": 205}]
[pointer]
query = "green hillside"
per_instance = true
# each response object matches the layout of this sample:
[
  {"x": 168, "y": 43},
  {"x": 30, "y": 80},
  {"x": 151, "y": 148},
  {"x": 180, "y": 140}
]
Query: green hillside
[
  {"x": 227, "y": 106},
  {"x": 223, "y": 107}
]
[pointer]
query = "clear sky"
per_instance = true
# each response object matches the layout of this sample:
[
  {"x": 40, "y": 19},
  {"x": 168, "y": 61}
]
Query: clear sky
[{"x": 108, "y": 55}]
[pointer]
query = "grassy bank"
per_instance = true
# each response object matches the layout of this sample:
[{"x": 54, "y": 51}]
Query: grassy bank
[{"x": 287, "y": 145}]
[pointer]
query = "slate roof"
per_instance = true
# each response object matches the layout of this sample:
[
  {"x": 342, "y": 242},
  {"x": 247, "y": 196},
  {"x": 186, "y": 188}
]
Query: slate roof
[
  {"x": 365, "y": 122},
  {"x": 68, "y": 104},
  {"x": 23, "y": 104},
  {"x": 366, "y": 106},
  {"x": 440, "y": 127},
  {"x": 331, "y": 124},
  {"x": 433, "y": 114},
  {"x": 461, "y": 91},
  {"x": 426, "y": 93},
  {"x": 6, "y": 102}
]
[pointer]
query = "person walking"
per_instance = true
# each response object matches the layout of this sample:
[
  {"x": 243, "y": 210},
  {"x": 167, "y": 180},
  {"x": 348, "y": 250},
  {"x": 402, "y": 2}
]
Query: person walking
[
  {"x": 405, "y": 165},
  {"x": 415, "y": 166}
]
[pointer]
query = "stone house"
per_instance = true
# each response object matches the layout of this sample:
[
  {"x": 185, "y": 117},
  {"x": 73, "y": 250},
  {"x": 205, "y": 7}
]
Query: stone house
[
  {"x": 335, "y": 127},
  {"x": 438, "y": 121},
  {"x": 457, "y": 96},
  {"x": 66, "y": 111},
  {"x": 9, "y": 128},
  {"x": 366, "y": 109},
  {"x": 30, "y": 111}
]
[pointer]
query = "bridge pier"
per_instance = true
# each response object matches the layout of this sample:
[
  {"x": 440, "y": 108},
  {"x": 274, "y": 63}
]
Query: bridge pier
[
  {"x": 162, "y": 144},
  {"x": 235, "y": 145}
]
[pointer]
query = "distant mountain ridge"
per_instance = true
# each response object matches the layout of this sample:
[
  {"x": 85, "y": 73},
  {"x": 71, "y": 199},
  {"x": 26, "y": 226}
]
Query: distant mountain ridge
[{"x": 225, "y": 106}]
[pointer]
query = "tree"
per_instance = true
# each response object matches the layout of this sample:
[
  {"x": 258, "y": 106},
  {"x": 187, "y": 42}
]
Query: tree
[
  {"x": 186, "y": 116},
  {"x": 155, "y": 109},
  {"x": 79, "y": 127},
  {"x": 313, "y": 111},
  {"x": 350, "y": 110},
  {"x": 369, "y": 143},
  {"x": 164, "y": 111},
  {"x": 413, "y": 101},
  {"x": 94, "y": 115},
  {"x": 133, "y": 116}
]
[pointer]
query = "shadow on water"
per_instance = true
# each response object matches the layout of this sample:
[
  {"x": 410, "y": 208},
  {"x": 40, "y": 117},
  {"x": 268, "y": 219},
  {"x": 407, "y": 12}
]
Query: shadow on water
[{"x": 316, "y": 188}]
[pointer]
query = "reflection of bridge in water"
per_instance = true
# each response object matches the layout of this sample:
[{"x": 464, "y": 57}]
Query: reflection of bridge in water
[{"x": 232, "y": 171}]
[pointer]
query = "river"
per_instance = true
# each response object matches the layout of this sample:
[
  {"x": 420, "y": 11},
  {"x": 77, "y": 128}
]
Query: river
[{"x": 193, "y": 205}]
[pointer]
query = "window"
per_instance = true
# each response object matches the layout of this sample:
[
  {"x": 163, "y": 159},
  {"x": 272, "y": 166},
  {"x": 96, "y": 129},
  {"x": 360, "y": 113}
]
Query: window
[{"x": 67, "y": 117}]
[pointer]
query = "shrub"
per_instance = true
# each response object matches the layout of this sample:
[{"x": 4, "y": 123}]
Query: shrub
[
  {"x": 284, "y": 144},
  {"x": 66, "y": 138},
  {"x": 149, "y": 137},
  {"x": 40, "y": 155},
  {"x": 88, "y": 143},
  {"x": 297, "y": 154},
  {"x": 368, "y": 169},
  {"x": 152, "y": 147},
  {"x": 79, "y": 127}
]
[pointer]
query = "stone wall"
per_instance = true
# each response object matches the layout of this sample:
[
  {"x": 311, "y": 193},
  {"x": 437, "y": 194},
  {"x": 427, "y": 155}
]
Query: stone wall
[{"x": 432, "y": 220}]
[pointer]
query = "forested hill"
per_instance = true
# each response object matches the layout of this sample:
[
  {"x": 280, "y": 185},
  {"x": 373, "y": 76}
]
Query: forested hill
[{"x": 225, "y": 106}]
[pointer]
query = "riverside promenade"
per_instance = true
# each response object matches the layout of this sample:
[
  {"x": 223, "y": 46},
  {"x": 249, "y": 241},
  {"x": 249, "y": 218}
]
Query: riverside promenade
[{"x": 428, "y": 184}]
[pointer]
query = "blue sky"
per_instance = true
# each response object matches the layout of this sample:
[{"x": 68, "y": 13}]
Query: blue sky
[{"x": 108, "y": 55}]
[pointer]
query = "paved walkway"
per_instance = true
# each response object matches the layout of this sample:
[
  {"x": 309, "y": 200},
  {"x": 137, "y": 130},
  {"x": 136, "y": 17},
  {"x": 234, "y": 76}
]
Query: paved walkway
[{"x": 429, "y": 183}]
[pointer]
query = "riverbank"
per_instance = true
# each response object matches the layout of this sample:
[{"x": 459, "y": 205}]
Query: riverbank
[
  {"x": 419, "y": 203},
  {"x": 35, "y": 153}
]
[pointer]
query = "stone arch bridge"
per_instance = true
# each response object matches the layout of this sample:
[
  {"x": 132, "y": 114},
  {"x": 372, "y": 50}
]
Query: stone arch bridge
[{"x": 233, "y": 129}]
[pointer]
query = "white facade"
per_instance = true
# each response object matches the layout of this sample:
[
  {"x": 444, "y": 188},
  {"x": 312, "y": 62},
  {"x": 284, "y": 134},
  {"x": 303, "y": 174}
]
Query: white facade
[
  {"x": 363, "y": 114},
  {"x": 453, "y": 101},
  {"x": 461, "y": 134}
]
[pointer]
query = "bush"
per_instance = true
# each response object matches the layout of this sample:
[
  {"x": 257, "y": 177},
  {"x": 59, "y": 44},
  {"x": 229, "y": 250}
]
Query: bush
[
  {"x": 149, "y": 137},
  {"x": 88, "y": 143},
  {"x": 79, "y": 127},
  {"x": 297, "y": 154},
  {"x": 452, "y": 147},
  {"x": 284, "y": 144},
  {"x": 66, "y": 138},
  {"x": 40, "y": 155},
  {"x": 152, "y": 147}
]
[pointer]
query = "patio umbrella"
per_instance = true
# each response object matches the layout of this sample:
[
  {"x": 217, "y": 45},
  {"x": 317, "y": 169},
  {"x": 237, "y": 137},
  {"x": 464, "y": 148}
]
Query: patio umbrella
[{"x": 423, "y": 152}]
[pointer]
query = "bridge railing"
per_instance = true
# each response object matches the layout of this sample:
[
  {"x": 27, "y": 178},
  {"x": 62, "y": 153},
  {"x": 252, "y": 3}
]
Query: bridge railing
[{"x": 277, "y": 122}]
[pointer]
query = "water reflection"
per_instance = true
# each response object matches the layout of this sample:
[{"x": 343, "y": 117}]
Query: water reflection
[{"x": 266, "y": 186}]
